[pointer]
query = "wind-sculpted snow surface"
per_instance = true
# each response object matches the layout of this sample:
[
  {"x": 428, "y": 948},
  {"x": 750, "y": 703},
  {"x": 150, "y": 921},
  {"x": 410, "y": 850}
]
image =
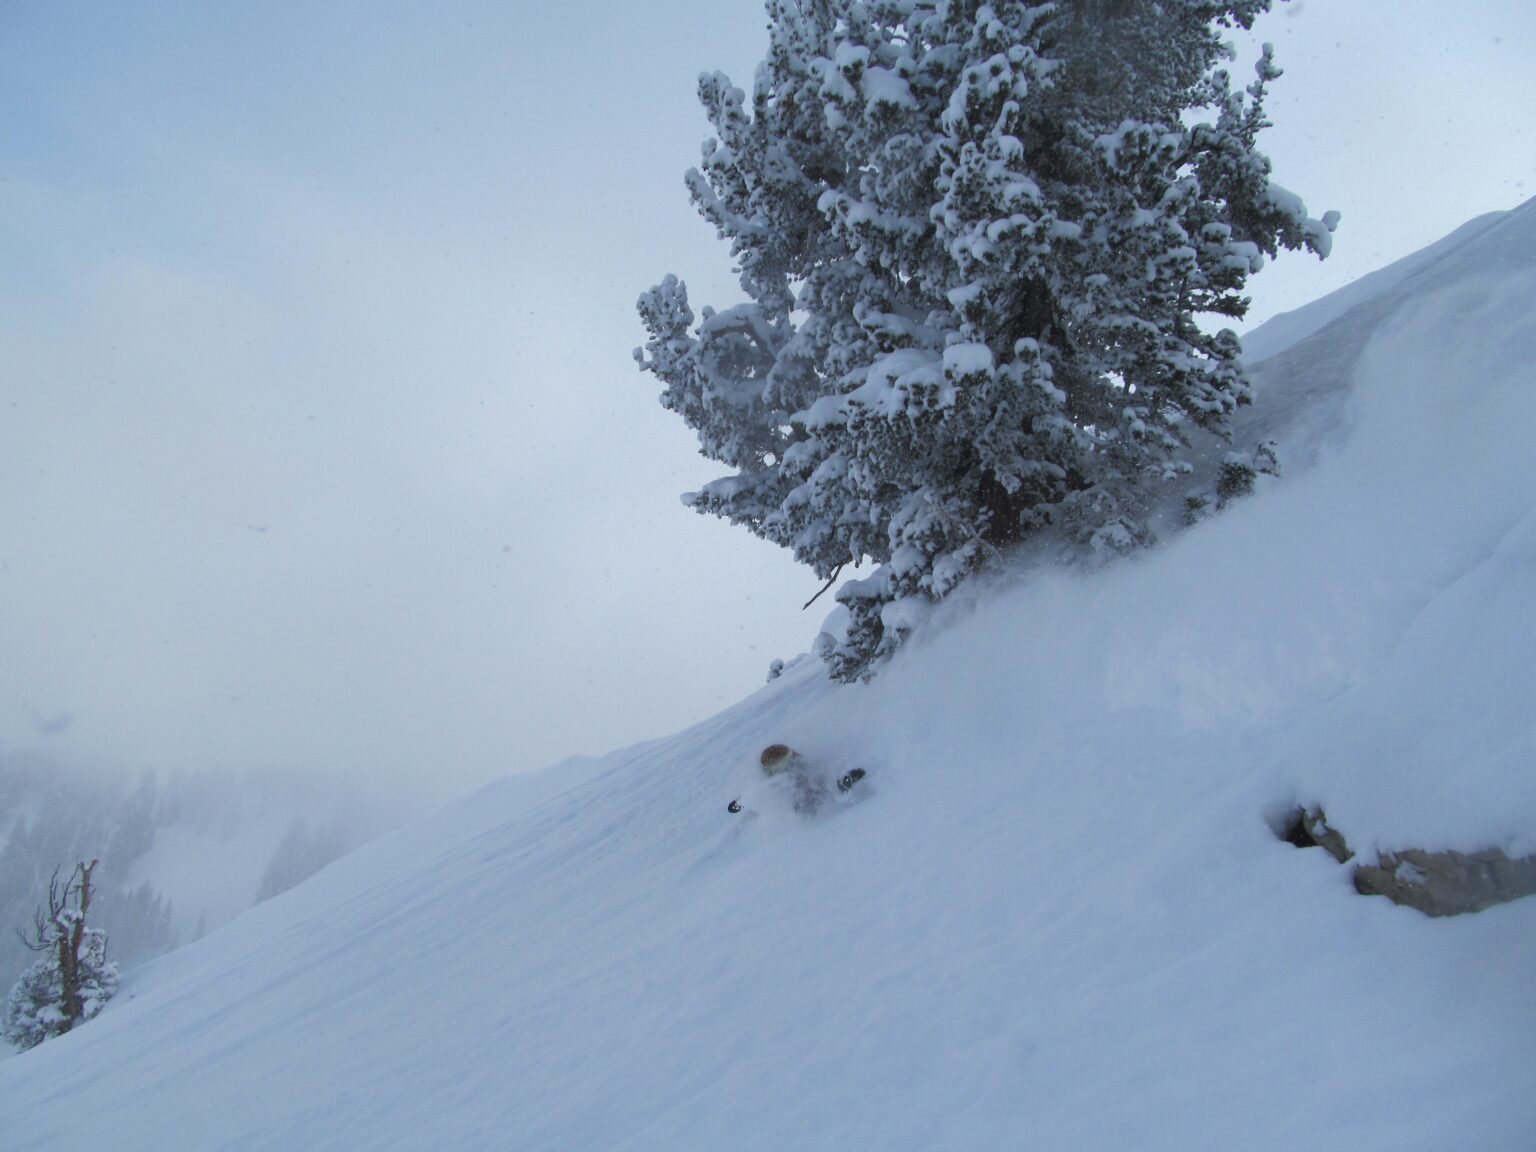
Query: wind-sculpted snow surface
[{"x": 1058, "y": 920}]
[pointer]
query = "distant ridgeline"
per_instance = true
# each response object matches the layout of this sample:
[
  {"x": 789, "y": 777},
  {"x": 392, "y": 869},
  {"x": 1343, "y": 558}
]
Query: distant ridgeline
[{"x": 179, "y": 854}]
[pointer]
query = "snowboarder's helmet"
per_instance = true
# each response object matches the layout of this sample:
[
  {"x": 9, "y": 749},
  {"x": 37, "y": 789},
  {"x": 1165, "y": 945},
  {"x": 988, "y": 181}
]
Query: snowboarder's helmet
[{"x": 776, "y": 758}]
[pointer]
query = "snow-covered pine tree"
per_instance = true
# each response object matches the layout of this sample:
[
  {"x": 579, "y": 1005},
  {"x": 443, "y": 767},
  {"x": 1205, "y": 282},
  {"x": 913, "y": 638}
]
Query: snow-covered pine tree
[
  {"x": 975, "y": 239},
  {"x": 74, "y": 980}
]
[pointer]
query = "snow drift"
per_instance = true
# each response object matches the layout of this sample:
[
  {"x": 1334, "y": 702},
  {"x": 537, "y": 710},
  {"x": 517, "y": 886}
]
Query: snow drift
[{"x": 1058, "y": 917}]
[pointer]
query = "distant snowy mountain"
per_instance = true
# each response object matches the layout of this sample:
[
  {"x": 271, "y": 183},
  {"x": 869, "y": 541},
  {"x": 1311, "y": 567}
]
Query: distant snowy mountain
[
  {"x": 179, "y": 855},
  {"x": 1055, "y": 914}
]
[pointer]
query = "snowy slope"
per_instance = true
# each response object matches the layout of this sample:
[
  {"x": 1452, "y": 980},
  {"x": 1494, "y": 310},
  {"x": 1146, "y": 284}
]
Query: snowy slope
[
  {"x": 1057, "y": 918},
  {"x": 1288, "y": 328},
  {"x": 1303, "y": 362}
]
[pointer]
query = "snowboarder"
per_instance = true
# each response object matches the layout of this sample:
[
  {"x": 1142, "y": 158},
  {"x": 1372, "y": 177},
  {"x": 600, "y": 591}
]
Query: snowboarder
[{"x": 808, "y": 783}]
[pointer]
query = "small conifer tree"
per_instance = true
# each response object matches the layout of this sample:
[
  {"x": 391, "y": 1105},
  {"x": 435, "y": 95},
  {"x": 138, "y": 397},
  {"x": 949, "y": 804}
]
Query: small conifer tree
[
  {"x": 975, "y": 240},
  {"x": 73, "y": 980}
]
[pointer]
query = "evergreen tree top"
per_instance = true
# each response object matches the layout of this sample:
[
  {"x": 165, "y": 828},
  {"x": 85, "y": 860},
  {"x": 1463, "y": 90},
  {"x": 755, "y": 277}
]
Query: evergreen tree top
[{"x": 975, "y": 241}]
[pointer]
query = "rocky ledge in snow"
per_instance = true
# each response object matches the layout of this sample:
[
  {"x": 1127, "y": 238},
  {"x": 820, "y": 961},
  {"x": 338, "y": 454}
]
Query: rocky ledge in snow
[
  {"x": 1448, "y": 883},
  {"x": 1445, "y": 883}
]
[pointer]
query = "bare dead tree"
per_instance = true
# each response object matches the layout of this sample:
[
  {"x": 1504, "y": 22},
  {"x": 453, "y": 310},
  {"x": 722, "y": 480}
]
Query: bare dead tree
[{"x": 61, "y": 930}]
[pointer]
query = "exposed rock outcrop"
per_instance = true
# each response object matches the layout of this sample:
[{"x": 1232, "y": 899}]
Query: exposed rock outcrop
[
  {"x": 1447, "y": 883},
  {"x": 1436, "y": 883},
  {"x": 1308, "y": 828}
]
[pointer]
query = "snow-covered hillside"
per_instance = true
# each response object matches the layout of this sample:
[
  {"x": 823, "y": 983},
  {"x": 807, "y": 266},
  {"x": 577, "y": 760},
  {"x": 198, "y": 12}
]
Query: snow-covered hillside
[{"x": 1057, "y": 915}]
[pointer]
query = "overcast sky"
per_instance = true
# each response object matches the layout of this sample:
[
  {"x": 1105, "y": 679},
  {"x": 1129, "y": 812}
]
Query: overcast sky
[{"x": 320, "y": 441}]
